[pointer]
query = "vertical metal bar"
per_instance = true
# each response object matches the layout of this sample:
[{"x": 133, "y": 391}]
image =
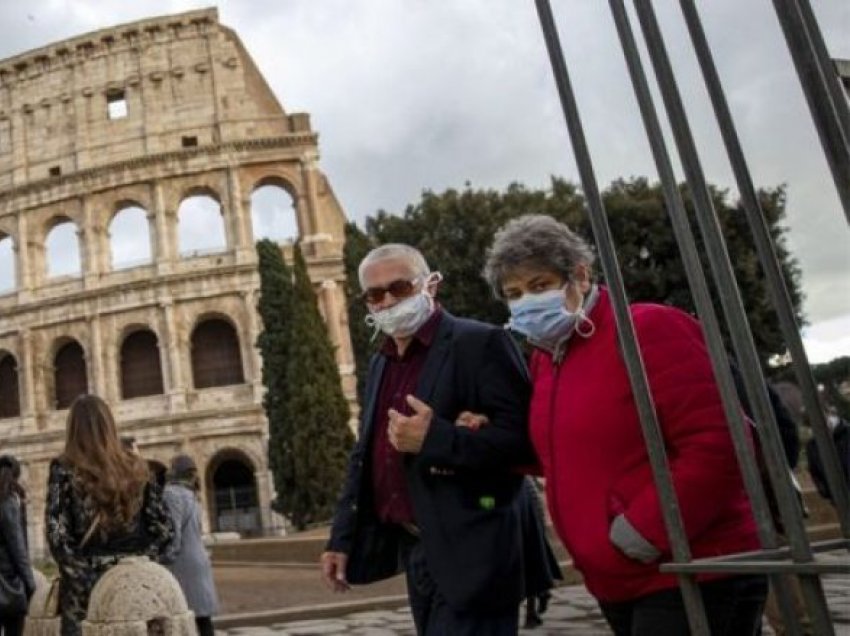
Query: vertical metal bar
[
  {"x": 733, "y": 309},
  {"x": 705, "y": 307},
  {"x": 770, "y": 263},
  {"x": 631, "y": 353},
  {"x": 826, "y": 66},
  {"x": 820, "y": 104}
]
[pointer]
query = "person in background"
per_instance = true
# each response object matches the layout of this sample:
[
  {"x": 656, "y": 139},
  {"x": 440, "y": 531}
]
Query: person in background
[
  {"x": 840, "y": 429},
  {"x": 186, "y": 555},
  {"x": 541, "y": 566},
  {"x": 15, "y": 570},
  {"x": 101, "y": 507},
  {"x": 585, "y": 428}
]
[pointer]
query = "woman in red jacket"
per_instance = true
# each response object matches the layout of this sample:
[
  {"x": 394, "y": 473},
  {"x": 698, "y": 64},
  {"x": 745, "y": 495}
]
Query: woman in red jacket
[{"x": 585, "y": 428}]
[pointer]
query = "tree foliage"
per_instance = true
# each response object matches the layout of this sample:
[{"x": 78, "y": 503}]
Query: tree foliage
[
  {"x": 308, "y": 414},
  {"x": 275, "y": 304},
  {"x": 317, "y": 409},
  {"x": 454, "y": 229}
]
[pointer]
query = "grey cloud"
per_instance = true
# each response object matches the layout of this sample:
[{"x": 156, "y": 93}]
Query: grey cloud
[{"x": 420, "y": 94}]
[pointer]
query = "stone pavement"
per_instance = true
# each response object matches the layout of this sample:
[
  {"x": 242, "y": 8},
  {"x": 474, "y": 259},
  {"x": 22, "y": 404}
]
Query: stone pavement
[{"x": 571, "y": 612}]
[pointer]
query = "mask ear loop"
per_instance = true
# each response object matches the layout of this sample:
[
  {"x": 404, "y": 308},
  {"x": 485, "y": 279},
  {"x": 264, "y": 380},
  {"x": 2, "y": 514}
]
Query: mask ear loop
[
  {"x": 590, "y": 328},
  {"x": 372, "y": 324}
]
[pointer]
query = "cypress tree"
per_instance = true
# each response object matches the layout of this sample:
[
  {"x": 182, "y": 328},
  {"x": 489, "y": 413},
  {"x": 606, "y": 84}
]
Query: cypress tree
[
  {"x": 316, "y": 427},
  {"x": 275, "y": 309}
]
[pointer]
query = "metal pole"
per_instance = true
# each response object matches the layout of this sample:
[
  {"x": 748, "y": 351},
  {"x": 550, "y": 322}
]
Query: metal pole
[
  {"x": 769, "y": 261},
  {"x": 826, "y": 119},
  {"x": 735, "y": 317},
  {"x": 705, "y": 307},
  {"x": 631, "y": 353}
]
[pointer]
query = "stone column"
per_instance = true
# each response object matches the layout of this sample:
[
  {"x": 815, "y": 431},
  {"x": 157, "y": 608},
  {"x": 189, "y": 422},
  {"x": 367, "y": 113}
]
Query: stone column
[
  {"x": 254, "y": 364},
  {"x": 332, "y": 315},
  {"x": 90, "y": 249},
  {"x": 27, "y": 371},
  {"x": 177, "y": 390},
  {"x": 165, "y": 236},
  {"x": 96, "y": 360},
  {"x": 23, "y": 265},
  {"x": 239, "y": 234},
  {"x": 310, "y": 214}
]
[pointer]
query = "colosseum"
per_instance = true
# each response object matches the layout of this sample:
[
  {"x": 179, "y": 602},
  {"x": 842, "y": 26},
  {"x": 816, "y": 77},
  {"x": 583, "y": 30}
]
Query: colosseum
[{"x": 138, "y": 166}]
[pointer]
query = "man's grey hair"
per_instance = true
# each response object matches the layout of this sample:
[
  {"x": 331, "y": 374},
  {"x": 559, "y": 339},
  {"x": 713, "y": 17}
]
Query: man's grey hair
[
  {"x": 413, "y": 257},
  {"x": 538, "y": 241}
]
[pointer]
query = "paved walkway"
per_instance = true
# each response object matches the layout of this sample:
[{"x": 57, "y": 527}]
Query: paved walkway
[{"x": 571, "y": 612}]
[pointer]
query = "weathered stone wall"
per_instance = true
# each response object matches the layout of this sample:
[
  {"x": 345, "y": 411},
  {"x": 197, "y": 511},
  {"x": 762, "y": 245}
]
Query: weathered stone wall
[{"x": 182, "y": 76}]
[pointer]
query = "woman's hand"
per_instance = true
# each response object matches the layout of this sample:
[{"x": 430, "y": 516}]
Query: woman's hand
[{"x": 471, "y": 420}]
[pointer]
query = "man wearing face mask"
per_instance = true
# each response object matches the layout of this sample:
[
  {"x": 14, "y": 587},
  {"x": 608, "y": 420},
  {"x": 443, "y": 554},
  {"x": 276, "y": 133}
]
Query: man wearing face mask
[{"x": 423, "y": 495}]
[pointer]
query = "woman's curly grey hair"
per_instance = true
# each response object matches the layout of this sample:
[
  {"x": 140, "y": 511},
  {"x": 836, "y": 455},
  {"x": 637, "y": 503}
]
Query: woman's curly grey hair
[{"x": 538, "y": 241}]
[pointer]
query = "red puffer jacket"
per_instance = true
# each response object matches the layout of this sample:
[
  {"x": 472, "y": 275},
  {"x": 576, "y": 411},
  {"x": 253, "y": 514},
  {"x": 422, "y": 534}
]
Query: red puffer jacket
[{"x": 585, "y": 428}]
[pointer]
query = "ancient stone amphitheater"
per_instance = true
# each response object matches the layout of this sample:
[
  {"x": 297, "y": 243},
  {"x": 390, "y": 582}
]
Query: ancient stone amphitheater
[{"x": 138, "y": 165}]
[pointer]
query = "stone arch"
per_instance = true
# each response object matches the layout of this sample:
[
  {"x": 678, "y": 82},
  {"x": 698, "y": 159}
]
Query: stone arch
[
  {"x": 127, "y": 226},
  {"x": 201, "y": 227},
  {"x": 63, "y": 254},
  {"x": 216, "y": 352},
  {"x": 274, "y": 213},
  {"x": 8, "y": 269},
  {"x": 70, "y": 373},
  {"x": 232, "y": 492},
  {"x": 140, "y": 364},
  {"x": 10, "y": 386}
]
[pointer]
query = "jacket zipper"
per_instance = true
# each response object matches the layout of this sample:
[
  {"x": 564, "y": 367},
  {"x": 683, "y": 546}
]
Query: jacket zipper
[{"x": 552, "y": 453}]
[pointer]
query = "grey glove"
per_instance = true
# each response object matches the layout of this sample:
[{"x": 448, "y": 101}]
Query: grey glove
[{"x": 630, "y": 542}]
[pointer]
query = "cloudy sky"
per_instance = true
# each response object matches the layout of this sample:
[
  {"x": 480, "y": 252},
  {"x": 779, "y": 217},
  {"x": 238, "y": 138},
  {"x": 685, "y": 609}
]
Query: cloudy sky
[{"x": 428, "y": 94}]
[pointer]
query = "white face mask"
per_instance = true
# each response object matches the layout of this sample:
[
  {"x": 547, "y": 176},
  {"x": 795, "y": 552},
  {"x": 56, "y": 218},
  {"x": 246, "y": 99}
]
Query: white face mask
[{"x": 404, "y": 318}]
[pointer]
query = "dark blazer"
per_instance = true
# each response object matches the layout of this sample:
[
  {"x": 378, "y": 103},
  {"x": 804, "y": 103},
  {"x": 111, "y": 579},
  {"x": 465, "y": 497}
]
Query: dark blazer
[{"x": 464, "y": 492}]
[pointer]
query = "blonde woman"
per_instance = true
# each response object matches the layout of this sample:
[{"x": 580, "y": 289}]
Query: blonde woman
[{"x": 101, "y": 506}]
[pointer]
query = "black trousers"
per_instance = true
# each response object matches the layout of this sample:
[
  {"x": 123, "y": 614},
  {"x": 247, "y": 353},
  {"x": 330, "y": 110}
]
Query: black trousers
[
  {"x": 12, "y": 625},
  {"x": 433, "y": 616},
  {"x": 734, "y": 607},
  {"x": 204, "y": 626}
]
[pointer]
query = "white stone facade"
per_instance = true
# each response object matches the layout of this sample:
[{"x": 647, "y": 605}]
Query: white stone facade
[{"x": 198, "y": 118}]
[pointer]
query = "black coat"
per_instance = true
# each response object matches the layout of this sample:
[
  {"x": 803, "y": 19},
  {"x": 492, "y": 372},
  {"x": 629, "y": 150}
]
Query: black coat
[
  {"x": 14, "y": 558},
  {"x": 464, "y": 492},
  {"x": 841, "y": 438}
]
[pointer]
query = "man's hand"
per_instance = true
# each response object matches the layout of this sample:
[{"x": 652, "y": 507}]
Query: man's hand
[
  {"x": 407, "y": 432},
  {"x": 471, "y": 420},
  {"x": 333, "y": 570}
]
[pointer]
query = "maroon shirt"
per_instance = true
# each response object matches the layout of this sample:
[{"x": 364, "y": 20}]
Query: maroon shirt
[{"x": 401, "y": 374}]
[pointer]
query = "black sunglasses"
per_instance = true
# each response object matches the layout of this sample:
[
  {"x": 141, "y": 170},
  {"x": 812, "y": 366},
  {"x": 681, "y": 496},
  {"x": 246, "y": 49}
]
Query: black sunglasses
[{"x": 398, "y": 288}]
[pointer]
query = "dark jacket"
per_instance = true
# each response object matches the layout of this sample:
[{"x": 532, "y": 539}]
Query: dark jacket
[
  {"x": 465, "y": 495},
  {"x": 14, "y": 559},
  {"x": 68, "y": 517},
  {"x": 541, "y": 565},
  {"x": 841, "y": 438}
]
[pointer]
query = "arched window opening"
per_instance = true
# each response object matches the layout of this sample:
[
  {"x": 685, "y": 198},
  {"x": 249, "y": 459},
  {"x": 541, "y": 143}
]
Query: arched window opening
[
  {"x": 273, "y": 214},
  {"x": 10, "y": 397},
  {"x": 129, "y": 238},
  {"x": 216, "y": 358},
  {"x": 141, "y": 370},
  {"x": 200, "y": 226},
  {"x": 234, "y": 502},
  {"x": 62, "y": 248},
  {"x": 70, "y": 374},
  {"x": 7, "y": 264}
]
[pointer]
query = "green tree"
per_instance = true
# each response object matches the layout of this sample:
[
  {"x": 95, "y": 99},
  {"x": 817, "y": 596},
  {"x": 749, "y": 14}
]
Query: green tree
[
  {"x": 275, "y": 308},
  {"x": 317, "y": 412},
  {"x": 454, "y": 229}
]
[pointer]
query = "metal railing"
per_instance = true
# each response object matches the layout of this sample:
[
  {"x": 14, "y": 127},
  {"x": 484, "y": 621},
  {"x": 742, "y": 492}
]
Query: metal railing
[{"x": 829, "y": 111}]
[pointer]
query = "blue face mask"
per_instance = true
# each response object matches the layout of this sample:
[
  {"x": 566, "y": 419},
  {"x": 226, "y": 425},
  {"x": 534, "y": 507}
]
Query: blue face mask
[{"x": 542, "y": 318}]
